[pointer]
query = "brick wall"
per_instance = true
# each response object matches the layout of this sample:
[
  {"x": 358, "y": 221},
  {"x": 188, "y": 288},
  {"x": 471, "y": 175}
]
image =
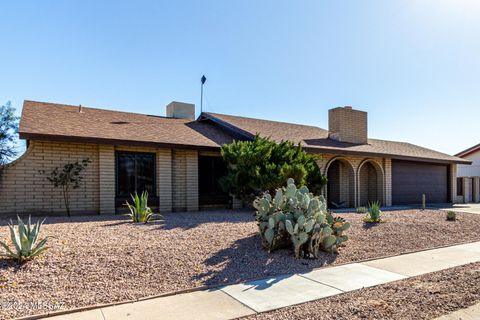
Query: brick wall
[
  {"x": 387, "y": 165},
  {"x": 185, "y": 180},
  {"x": 106, "y": 178},
  {"x": 351, "y": 185},
  {"x": 24, "y": 189},
  {"x": 164, "y": 179}
]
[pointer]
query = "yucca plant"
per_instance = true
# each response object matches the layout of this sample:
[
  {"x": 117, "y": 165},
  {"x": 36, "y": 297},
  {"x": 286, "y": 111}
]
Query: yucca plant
[
  {"x": 24, "y": 238},
  {"x": 374, "y": 213},
  {"x": 139, "y": 211}
]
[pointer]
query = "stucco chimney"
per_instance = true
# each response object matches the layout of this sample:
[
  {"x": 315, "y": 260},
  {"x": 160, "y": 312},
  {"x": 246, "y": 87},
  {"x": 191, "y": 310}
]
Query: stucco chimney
[
  {"x": 181, "y": 110},
  {"x": 346, "y": 124}
]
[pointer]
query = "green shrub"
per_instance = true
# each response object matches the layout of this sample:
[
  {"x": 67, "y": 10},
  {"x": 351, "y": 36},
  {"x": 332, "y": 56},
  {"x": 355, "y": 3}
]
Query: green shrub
[
  {"x": 264, "y": 165},
  {"x": 362, "y": 210},
  {"x": 296, "y": 218},
  {"x": 451, "y": 216},
  {"x": 139, "y": 211},
  {"x": 24, "y": 239},
  {"x": 374, "y": 214}
]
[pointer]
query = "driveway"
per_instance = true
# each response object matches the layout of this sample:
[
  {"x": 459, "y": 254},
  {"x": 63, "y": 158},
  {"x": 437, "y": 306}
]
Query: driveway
[{"x": 463, "y": 207}]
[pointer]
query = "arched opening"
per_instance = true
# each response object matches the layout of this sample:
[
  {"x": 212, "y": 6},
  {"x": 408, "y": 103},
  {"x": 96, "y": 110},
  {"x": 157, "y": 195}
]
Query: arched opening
[
  {"x": 341, "y": 184},
  {"x": 370, "y": 181}
]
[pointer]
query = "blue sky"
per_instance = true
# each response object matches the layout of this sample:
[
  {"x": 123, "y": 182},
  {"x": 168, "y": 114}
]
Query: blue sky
[{"x": 413, "y": 65}]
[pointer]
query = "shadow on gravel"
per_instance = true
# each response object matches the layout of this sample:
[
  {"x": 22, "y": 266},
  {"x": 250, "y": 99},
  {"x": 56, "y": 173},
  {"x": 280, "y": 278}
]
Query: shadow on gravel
[
  {"x": 190, "y": 220},
  {"x": 6, "y": 263},
  {"x": 246, "y": 260},
  {"x": 370, "y": 225}
]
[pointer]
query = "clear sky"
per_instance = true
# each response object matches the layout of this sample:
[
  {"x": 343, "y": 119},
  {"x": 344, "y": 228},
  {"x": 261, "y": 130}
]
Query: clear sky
[{"x": 414, "y": 65}]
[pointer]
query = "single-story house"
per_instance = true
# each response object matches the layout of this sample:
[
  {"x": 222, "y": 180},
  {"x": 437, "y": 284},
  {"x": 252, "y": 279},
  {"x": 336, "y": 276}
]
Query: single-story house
[
  {"x": 176, "y": 158},
  {"x": 468, "y": 176}
]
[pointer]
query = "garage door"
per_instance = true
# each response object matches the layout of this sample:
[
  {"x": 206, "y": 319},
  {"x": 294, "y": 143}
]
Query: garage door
[{"x": 412, "y": 179}]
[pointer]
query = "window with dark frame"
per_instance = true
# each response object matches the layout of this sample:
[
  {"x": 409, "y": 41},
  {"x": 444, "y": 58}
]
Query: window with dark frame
[{"x": 135, "y": 172}]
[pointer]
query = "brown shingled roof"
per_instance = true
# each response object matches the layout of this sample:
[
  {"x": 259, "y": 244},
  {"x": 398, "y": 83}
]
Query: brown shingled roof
[
  {"x": 316, "y": 139},
  {"x": 50, "y": 121},
  {"x": 42, "y": 120},
  {"x": 468, "y": 151}
]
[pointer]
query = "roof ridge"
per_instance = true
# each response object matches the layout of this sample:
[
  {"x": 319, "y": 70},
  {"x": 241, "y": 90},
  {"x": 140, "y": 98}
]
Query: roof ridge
[
  {"x": 93, "y": 108},
  {"x": 276, "y": 121}
]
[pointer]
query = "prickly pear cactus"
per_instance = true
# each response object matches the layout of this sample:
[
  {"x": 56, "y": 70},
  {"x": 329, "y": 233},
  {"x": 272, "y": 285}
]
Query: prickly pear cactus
[{"x": 296, "y": 218}]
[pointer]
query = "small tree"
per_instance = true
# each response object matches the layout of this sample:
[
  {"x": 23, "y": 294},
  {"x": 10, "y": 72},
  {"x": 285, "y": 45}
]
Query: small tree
[
  {"x": 68, "y": 178},
  {"x": 8, "y": 131},
  {"x": 264, "y": 165}
]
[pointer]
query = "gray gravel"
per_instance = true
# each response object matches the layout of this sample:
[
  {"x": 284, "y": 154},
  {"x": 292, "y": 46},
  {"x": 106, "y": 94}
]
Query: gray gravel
[
  {"x": 424, "y": 297},
  {"x": 102, "y": 259}
]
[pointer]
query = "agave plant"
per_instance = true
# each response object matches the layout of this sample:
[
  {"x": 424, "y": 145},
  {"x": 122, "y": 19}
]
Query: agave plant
[
  {"x": 374, "y": 213},
  {"x": 24, "y": 238},
  {"x": 139, "y": 211}
]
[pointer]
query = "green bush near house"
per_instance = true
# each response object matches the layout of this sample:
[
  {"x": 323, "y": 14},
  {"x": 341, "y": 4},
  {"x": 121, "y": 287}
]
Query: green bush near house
[
  {"x": 140, "y": 212},
  {"x": 264, "y": 165},
  {"x": 296, "y": 218},
  {"x": 24, "y": 239},
  {"x": 451, "y": 216},
  {"x": 362, "y": 210},
  {"x": 374, "y": 213}
]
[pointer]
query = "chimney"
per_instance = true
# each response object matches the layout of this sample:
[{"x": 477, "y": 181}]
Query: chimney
[
  {"x": 346, "y": 124},
  {"x": 181, "y": 110}
]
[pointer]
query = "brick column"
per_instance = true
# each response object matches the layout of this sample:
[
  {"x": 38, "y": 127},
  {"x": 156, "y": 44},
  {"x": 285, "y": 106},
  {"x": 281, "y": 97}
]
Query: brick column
[
  {"x": 453, "y": 182},
  {"x": 106, "y": 175},
  {"x": 164, "y": 179},
  {"x": 466, "y": 190},
  {"x": 388, "y": 182},
  {"x": 192, "y": 180},
  {"x": 476, "y": 189}
]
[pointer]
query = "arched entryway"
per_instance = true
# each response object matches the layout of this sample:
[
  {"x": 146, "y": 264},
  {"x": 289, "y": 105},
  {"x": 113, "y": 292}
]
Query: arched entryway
[
  {"x": 341, "y": 184},
  {"x": 370, "y": 183}
]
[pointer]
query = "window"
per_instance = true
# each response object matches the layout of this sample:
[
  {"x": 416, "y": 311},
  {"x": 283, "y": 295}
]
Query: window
[
  {"x": 210, "y": 170},
  {"x": 135, "y": 173},
  {"x": 459, "y": 187}
]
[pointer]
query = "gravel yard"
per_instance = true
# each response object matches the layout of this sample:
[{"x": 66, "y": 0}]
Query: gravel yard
[
  {"x": 424, "y": 297},
  {"x": 102, "y": 259}
]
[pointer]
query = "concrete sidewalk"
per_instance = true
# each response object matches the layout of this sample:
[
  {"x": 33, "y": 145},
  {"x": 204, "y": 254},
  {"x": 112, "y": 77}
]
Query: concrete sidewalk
[{"x": 247, "y": 298}]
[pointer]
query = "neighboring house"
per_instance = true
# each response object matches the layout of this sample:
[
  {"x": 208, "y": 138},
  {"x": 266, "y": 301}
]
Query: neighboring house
[
  {"x": 468, "y": 176},
  {"x": 176, "y": 158}
]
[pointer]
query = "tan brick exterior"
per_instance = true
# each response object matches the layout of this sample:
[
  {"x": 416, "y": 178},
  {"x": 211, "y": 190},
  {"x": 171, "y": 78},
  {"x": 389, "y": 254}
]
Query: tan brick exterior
[
  {"x": 164, "y": 179},
  {"x": 23, "y": 189},
  {"x": 387, "y": 165},
  {"x": 355, "y": 167},
  {"x": 106, "y": 178},
  {"x": 348, "y": 125},
  {"x": 192, "y": 180},
  {"x": 185, "y": 181}
]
